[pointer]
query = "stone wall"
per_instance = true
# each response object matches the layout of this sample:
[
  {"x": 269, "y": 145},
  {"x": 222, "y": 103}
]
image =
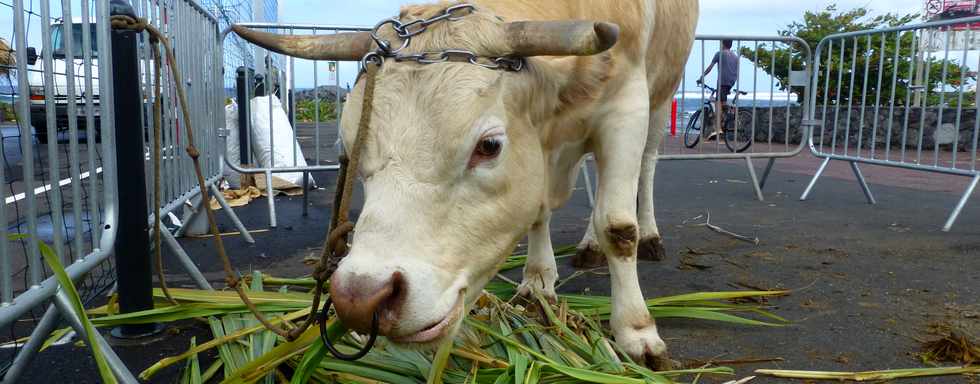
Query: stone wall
[{"x": 945, "y": 133}]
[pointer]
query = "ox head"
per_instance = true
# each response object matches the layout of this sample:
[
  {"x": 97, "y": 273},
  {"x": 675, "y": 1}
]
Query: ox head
[{"x": 453, "y": 167}]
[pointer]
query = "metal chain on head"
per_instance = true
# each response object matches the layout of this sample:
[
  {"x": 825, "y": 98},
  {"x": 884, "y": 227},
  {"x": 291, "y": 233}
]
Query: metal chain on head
[{"x": 406, "y": 31}]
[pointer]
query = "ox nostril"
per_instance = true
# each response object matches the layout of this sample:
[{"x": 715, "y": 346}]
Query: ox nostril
[{"x": 358, "y": 297}]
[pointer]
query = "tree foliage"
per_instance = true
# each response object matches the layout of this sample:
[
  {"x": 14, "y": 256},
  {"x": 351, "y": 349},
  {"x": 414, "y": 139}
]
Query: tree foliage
[
  {"x": 846, "y": 63},
  {"x": 306, "y": 111}
]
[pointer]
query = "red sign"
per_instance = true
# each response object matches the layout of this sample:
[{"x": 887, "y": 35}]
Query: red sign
[{"x": 953, "y": 9}]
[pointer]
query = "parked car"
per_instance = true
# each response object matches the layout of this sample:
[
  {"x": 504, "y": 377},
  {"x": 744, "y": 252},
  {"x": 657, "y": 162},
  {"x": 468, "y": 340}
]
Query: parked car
[{"x": 39, "y": 116}]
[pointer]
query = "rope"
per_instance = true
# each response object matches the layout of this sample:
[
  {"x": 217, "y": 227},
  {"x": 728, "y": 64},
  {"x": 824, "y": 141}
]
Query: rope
[
  {"x": 157, "y": 112},
  {"x": 335, "y": 247}
]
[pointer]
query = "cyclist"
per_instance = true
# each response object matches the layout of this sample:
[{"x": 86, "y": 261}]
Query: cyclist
[{"x": 727, "y": 62}]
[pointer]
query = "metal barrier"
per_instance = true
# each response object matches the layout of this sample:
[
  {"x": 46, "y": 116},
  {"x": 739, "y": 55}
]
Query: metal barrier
[
  {"x": 768, "y": 126},
  {"x": 325, "y": 144},
  {"x": 193, "y": 33},
  {"x": 68, "y": 194},
  {"x": 898, "y": 97},
  {"x": 60, "y": 193}
]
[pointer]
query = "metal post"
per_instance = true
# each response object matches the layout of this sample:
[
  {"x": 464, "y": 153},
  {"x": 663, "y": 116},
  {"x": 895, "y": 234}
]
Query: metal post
[
  {"x": 134, "y": 271},
  {"x": 271, "y": 199},
  {"x": 306, "y": 193},
  {"x": 116, "y": 364},
  {"x": 754, "y": 179},
  {"x": 220, "y": 197},
  {"x": 292, "y": 112},
  {"x": 864, "y": 184},
  {"x": 962, "y": 203},
  {"x": 184, "y": 259},
  {"x": 41, "y": 332},
  {"x": 260, "y": 85},
  {"x": 816, "y": 176},
  {"x": 588, "y": 183},
  {"x": 765, "y": 174},
  {"x": 243, "y": 86}
]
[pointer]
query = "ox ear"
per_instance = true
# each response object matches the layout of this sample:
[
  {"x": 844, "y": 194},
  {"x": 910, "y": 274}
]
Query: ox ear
[
  {"x": 560, "y": 38},
  {"x": 340, "y": 46}
]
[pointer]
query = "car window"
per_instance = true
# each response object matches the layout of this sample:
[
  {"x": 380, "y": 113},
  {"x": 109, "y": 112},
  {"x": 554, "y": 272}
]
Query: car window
[{"x": 58, "y": 41}]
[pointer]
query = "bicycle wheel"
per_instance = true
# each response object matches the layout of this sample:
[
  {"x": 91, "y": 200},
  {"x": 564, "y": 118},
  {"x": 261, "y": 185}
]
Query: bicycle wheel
[
  {"x": 692, "y": 134},
  {"x": 738, "y": 133}
]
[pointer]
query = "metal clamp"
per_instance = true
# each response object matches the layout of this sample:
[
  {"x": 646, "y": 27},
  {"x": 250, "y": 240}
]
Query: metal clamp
[{"x": 811, "y": 123}]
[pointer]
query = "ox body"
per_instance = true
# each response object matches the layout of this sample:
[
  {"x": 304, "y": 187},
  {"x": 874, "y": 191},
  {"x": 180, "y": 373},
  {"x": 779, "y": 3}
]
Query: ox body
[{"x": 461, "y": 161}]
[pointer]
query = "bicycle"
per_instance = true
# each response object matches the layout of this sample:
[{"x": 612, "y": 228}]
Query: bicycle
[{"x": 737, "y": 133}]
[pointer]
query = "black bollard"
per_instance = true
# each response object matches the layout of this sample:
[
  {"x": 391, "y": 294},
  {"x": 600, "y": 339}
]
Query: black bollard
[
  {"x": 134, "y": 271},
  {"x": 243, "y": 84}
]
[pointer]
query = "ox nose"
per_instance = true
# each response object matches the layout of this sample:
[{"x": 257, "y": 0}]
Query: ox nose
[{"x": 358, "y": 297}]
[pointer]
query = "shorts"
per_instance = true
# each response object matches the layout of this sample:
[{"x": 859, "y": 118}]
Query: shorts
[{"x": 723, "y": 92}]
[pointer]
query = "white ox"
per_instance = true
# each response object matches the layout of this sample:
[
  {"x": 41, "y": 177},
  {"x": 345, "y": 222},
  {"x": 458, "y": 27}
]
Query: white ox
[{"x": 462, "y": 161}]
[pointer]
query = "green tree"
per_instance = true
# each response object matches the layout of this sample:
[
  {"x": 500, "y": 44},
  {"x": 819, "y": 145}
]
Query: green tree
[
  {"x": 306, "y": 111},
  {"x": 846, "y": 62}
]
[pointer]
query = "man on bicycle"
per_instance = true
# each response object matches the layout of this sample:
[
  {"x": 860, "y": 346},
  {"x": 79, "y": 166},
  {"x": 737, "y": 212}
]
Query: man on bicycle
[{"x": 727, "y": 62}]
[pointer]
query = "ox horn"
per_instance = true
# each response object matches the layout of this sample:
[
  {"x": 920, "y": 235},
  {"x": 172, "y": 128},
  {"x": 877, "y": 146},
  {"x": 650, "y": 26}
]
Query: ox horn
[
  {"x": 341, "y": 46},
  {"x": 560, "y": 38}
]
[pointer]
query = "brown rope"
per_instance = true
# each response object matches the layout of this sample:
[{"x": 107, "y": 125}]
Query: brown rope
[
  {"x": 335, "y": 246},
  {"x": 157, "y": 112}
]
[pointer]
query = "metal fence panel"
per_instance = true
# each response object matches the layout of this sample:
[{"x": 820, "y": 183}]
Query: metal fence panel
[
  {"x": 193, "y": 33},
  {"x": 768, "y": 97},
  {"x": 62, "y": 190},
  {"x": 58, "y": 190},
  {"x": 315, "y": 112},
  {"x": 767, "y": 116},
  {"x": 900, "y": 97}
]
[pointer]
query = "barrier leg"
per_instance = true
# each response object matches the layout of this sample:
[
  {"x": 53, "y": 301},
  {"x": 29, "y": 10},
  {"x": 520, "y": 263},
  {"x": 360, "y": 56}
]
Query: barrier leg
[
  {"x": 306, "y": 193},
  {"x": 115, "y": 364},
  {"x": 961, "y": 204},
  {"x": 765, "y": 174},
  {"x": 184, "y": 259},
  {"x": 196, "y": 212},
  {"x": 754, "y": 179},
  {"x": 588, "y": 183},
  {"x": 33, "y": 345},
  {"x": 272, "y": 199},
  {"x": 864, "y": 184},
  {"x": 220, "y": 197},
  {"x": 809, "y": 187}
]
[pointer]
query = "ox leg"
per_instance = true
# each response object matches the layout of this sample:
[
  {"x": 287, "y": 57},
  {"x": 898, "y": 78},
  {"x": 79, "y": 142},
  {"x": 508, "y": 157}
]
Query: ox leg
[
  {"x": 540, "y": 271},
  {"x": 620, "y": 145},
  {"x": 651, "y": 245}
]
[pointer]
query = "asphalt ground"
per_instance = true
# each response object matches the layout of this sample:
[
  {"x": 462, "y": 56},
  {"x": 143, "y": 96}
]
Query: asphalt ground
[{"x": 869, "y": 282}]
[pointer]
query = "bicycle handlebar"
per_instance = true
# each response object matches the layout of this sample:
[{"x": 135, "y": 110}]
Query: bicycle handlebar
[{"x": 708, "y": 87}]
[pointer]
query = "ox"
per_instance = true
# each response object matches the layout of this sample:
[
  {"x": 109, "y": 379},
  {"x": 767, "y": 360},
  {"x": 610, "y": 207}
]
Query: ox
[{"x": 461, "y": 162}]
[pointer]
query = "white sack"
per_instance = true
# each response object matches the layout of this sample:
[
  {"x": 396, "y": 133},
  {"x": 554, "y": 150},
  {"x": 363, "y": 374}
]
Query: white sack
[{"x": 286, "y": 146}]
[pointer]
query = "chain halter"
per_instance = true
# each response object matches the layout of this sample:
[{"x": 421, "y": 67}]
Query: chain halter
[{"x": 406, "y": 31}]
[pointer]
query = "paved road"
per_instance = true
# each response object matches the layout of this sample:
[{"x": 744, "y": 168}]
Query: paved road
[{"x": 868, "y": 280}]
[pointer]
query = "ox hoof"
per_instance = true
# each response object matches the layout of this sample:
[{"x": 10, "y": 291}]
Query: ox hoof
[
  {"x": 651, "y": 248},
  {"x": 645, "y": 346},
  {"x": 589, "y": 257},
  {"x": 538, "y": 284}
]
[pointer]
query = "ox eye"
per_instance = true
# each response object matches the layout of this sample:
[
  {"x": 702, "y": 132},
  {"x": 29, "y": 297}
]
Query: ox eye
[{"x": 487, "y": 149}]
